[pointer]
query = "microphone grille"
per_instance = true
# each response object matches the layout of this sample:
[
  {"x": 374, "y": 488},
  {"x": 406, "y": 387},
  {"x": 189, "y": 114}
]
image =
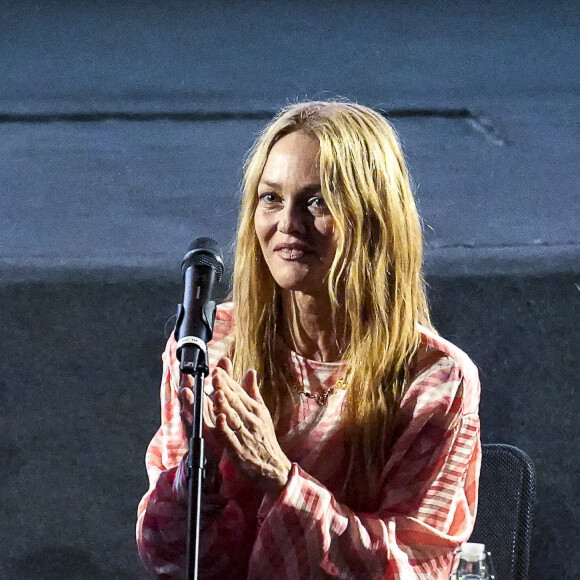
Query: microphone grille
[
  {"x": 204, "y": 243},
  {"x": 204, "y": 252}
]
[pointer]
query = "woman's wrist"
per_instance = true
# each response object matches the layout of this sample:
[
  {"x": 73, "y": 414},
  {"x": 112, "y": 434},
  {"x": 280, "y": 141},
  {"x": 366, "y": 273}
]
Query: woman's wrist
[{"x": 276, "y": 484}]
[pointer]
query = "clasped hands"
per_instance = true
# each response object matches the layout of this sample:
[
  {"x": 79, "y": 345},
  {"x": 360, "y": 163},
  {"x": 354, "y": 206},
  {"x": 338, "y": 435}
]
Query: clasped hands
[{"x": 241, "y": 424}]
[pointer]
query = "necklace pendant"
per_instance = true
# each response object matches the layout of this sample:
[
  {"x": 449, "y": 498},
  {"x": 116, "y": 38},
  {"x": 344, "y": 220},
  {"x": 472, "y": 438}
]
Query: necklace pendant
[{"x": 322, "y": 398}]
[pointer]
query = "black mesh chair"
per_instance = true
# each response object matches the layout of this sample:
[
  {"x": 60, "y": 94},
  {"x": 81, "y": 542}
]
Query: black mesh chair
[{"x": 507, "y": 495}]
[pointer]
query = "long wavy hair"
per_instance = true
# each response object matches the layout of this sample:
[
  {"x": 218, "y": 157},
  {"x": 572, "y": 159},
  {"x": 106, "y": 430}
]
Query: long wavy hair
[{"x": 375, "y": 282}]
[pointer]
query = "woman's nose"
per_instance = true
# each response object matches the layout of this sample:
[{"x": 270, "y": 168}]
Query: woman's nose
[{"x": 291, "y": 220}]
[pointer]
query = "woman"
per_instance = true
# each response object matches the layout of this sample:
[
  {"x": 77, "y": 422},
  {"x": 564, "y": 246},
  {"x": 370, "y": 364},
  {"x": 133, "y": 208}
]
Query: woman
[{"x": 342, "y": 431}]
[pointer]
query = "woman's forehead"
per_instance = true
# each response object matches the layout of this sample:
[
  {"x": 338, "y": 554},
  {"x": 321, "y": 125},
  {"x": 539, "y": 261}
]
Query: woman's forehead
[{"x": 295, "y": 156}]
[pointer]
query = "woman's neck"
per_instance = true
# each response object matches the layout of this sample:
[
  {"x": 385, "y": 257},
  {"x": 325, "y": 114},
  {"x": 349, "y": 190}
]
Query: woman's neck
[{"x": 308, "y": 328}]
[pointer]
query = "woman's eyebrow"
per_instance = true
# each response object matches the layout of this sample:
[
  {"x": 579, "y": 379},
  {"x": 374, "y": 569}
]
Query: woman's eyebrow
[
  {"x": 271, "y": 184},
  {"x": 311, "y": 188},
  {"x": 307, "y": 189}
]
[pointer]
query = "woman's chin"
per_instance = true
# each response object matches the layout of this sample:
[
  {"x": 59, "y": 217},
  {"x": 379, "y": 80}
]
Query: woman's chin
[{"x": 302, "y": 286}]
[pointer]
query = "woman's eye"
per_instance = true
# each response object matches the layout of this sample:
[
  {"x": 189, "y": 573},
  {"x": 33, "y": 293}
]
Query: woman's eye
[
  {"x": 267, "y": 198},
  {"x": 317, "y": 203}
]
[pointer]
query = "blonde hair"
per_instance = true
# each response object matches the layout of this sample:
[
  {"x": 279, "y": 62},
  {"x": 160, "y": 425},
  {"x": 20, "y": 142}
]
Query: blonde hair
[{"x": 375, "y": 280}]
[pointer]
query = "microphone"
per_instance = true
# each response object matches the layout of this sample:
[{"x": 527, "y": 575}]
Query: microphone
[{"x": 201, "y": 268}]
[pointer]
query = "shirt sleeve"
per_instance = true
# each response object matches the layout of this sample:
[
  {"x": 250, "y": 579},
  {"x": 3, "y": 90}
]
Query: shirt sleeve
[
  {"x": 162, "y": 524},
  {"x": 427, "y": 507}
]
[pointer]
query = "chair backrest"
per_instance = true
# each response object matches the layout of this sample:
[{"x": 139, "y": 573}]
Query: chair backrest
[{"x": 507, "y": 494}]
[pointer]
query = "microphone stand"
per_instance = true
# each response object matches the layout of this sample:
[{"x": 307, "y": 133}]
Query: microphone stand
[
  {"x": 195, "y": 470},
  {"x": 193, "y": 361},
  {"x": 201, "y": 268}
]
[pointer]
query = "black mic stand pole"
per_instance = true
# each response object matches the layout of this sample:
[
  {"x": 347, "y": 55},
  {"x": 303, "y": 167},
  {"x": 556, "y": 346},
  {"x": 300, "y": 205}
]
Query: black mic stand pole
[{"x": 196, "y": 461}]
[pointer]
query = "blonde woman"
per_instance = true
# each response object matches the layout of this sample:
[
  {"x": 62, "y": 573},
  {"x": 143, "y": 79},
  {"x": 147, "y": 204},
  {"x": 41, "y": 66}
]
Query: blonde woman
[{"x": 342, "y": 431}]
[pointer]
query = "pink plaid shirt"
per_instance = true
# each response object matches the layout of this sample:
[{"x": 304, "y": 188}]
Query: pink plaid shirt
[{"x": 408, "y": 527}]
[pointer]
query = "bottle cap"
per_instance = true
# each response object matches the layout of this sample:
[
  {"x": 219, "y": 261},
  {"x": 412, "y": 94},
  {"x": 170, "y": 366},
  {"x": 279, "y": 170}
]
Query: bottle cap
[{"x": 472, "y": 552}]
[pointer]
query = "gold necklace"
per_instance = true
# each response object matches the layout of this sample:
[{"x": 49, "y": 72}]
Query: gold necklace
[{"x": 322, "y": 398}]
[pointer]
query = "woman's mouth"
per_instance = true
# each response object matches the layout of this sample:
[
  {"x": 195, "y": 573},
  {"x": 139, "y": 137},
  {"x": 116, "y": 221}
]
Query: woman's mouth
[{"x": 291, "y": 252}]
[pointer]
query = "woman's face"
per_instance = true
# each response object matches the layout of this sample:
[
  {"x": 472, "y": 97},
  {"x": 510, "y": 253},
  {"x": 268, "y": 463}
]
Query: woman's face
[{"x": 292, "y": 222}]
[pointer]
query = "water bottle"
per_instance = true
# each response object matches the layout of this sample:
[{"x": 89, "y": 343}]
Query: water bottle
[{"x": 473, "y": 563}]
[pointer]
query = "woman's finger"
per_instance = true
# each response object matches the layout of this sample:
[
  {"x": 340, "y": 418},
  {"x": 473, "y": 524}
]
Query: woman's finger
[
  {"x": 185, "y": 398},
  {"x": 231, "y": 436},
  {"x": 235, "y": 393},
  {"x": 185, "y": 380},
  {"x": 226, "y": 364},
  {"x": 250, "y": 385},
  {"x": 223, "y": 406},
  {"x": 208, "y": 411}
]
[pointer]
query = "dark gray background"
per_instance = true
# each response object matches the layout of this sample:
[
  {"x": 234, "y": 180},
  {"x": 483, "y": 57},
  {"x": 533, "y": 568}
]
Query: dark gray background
[{"x": 123, "y": 128}]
